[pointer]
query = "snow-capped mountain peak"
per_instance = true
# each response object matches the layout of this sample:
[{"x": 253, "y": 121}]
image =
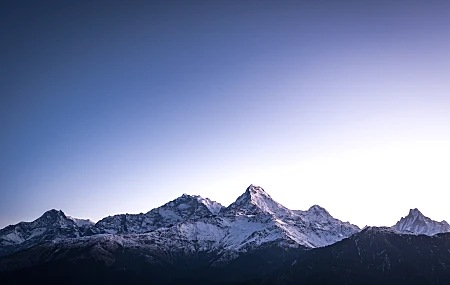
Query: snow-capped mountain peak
[
  {"x": 81, "y": 222},
  {"x": 53, "y": 214},
  {"x": 52, "y": 225},
  {"x": 194, "y": 202},
  {"x": 316, "y": 209},
  {"x": 191, "y": 221},
  {"x": 55, "y": 218},
  {"x": 257, "y": 201},
  {"x": 417, "y": 223},
  {"x": 213, "y": 206},
  {"x": 414, "y": 212},
  {"x": 184, "y": 208},
  {"x": 256, "y": 189}
]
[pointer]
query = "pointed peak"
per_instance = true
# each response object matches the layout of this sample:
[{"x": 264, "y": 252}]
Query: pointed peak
[
  {"x": 255, "y": 193},
  {"x": 418, "y": 223},
  {"x": 213, "y": 206},
  {"x": 253, "y": 189},
  {"x": 256, "y": 201},
  {"x": 54, "y": 213},
  {"x": 188, "y": 197},
  {"x": 181, "y": 199},
  {"x": 317, "y": 208},
  {"x": 191, "y": 197},
  {"x": 195, "y": 201},
  {"x": 415, "y": 212},
  {"x": 316, "y": 212}
]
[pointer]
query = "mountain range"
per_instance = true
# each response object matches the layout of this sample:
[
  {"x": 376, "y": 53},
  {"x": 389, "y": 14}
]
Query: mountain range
[{"x": 191, "y": 239}]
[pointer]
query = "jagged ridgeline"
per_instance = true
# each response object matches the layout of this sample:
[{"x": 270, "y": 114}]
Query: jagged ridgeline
[{"x": 193, "y": 240}]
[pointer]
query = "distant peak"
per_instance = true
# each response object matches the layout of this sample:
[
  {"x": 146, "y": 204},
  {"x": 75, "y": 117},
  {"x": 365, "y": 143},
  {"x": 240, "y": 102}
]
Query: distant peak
[
  {"x": 81, "y": 222},
  {"x": 415, "y": 212},
  {"x": 183, "y": 198},
  {"x": 378, "y": 230},
  {"x": 189, "y": 197},
  {"x": 212, "y": 206},
  {"x": 256, "y": 193},
  {"x": 185, "y": 195},
  {"x": 413, "y": 215},
  {"x": 317, "y": 208},
  {"x": 255, "y": 200},
  {"x": 253, "y": 189},
  {"x": 193, "y": 197},
  {"x": 417, "y": 223},
  {"x": 253, "y": 186},
  {"x": 317, "y": 212},
  {"x": 54, "y": 212}
]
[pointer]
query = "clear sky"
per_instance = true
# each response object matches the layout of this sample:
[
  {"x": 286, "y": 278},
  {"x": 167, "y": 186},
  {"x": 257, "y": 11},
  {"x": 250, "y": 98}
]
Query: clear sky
[{"x": 111, "y": 107}]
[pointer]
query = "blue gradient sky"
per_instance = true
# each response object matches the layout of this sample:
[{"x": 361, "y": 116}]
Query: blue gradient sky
[{"x": 120, "y": 106}]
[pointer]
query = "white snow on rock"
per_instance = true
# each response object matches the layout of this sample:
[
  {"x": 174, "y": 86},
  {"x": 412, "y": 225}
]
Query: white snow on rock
[
  {"x": 192, "y": 223},
  {"x": 212, "y": 206},
  {"x": 416, "y": 223},
  {"x": 256, "y": 201},
  {"x": 183, "y": 208},
  {"x": 81, "y": 222},
  {"x": 51, "y": 225}
]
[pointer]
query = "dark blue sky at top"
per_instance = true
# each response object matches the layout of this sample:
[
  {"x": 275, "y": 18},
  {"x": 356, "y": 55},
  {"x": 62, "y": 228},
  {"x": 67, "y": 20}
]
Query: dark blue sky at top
[{"x": 106, "y": 100}]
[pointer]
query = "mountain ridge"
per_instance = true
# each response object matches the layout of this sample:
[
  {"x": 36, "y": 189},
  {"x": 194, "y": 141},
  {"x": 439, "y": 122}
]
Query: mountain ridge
[
  {"x": 417, "y": 223},
  {"x": 252, "y": 221},
  {"x": 254, "y": 236}
]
